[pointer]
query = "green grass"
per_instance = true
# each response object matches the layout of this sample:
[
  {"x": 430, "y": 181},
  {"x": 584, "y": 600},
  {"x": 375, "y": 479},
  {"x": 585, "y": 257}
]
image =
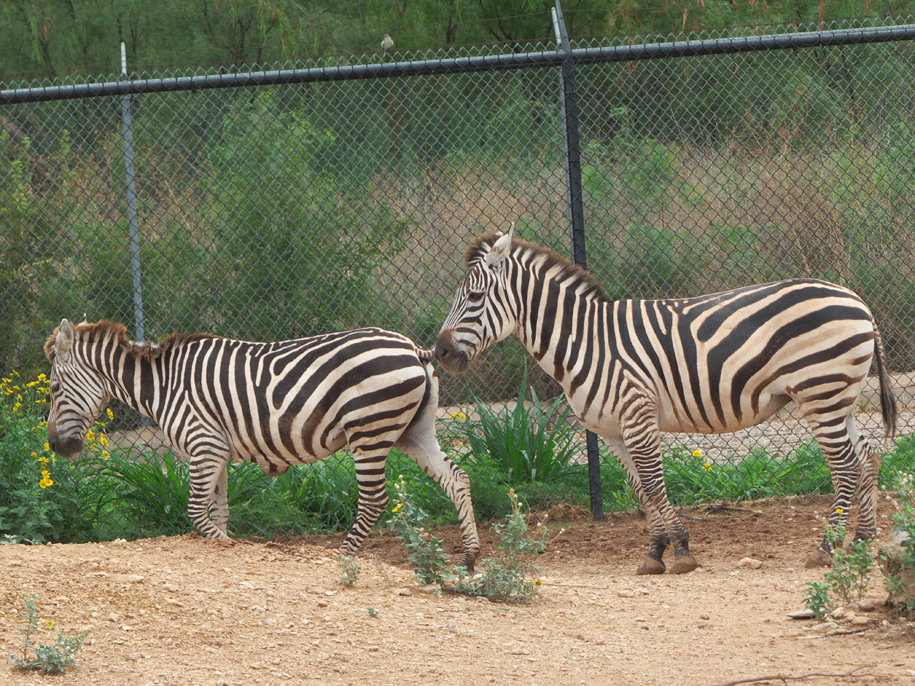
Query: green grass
[{"x": 530, "y": 448}]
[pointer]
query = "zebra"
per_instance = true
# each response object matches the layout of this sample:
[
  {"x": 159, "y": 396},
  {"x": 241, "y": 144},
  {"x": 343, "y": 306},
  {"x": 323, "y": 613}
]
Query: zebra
[
  {"x": 276, "y": 404},
  {"x": 710, "y": 364}
]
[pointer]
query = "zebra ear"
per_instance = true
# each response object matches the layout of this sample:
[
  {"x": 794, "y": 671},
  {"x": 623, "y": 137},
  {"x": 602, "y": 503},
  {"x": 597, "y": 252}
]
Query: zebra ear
[
  {"x": 64, "y": 339},
  {"x": 500, "y": 248}
]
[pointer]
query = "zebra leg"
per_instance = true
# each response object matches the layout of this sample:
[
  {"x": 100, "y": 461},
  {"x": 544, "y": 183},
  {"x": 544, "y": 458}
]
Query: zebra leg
[
  {"x": 867, "y": 491},
  {"x": 208, "y": 473},
  {"x": 421, "y": 445},
  {"x": 218, "y": 507},
  {"x": 373, "y": 497},
  {"x": 847, "y": 467},
  {"x": 647, "y": 481}
]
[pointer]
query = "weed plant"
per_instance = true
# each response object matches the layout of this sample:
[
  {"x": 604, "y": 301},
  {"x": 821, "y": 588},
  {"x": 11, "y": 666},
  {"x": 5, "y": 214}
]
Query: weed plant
[
  {"x": 846, "y": 582},
  {"x": 349, "y": 570},
  {"x": 409, "y": 521},
  {"x": 51, "y": 659},
  {"x": 510, "y": 576},
  {"x": 898, "y": 560}
]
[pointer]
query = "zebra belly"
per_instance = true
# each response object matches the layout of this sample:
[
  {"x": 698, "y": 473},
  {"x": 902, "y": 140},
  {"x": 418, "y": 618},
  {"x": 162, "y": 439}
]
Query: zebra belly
[{"x": 274, "y": 465}]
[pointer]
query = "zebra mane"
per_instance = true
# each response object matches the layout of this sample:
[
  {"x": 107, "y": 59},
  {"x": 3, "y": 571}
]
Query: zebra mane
[
  {"x": 543, "y": 259},
  {"x": 105, "y": 329}
]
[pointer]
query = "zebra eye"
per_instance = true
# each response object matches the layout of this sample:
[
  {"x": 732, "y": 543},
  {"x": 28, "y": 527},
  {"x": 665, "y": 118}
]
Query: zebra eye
[{"x": 475, "y": 295}]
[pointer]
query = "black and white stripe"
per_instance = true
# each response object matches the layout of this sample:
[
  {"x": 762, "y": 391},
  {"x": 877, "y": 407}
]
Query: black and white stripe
[
  {"x": 711, "y": 364},
  {"x": 277, "y": 404}
]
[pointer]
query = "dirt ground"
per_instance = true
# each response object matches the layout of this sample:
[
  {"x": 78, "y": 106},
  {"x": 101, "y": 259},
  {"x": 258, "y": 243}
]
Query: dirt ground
[{"x": 189, "y": 611}]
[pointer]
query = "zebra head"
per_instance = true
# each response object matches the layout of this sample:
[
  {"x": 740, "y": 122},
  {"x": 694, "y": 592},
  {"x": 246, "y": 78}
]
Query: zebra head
[
  {"x": 78, "y": 393},
  {"x": 482, "y": 313}
]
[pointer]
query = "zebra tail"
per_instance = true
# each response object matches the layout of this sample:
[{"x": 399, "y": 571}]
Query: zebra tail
[
  {"x": 425, "y": 354},
  {"x": 887, "y": 398}
]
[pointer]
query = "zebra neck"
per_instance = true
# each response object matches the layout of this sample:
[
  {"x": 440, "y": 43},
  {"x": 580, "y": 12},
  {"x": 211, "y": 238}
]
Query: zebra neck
[
  {"x": 555, "y": 319},
  {"x": 133, "y": 379}
]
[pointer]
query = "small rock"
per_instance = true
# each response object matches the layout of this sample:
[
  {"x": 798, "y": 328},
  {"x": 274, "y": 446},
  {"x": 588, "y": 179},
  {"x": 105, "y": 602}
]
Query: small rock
[
  {"x": 750, "y": 562},
  {"x": 323, "y": 603},
  {"x": 839, "y": 612},
  {"x": 625, "y": 593},
  {"x": 849, "y": 616},
  {"x": 825, "y": 626},
  {"x": 867, "y": 605},
  {"x": 801, "y": 614},
  {"x": 404, "y": 592},
  {"x": 428, "y": 589},
  {"x": 860, "y": 621},
  {"x": 125, "y": 627},
  {"x": 705, "y": 617}
]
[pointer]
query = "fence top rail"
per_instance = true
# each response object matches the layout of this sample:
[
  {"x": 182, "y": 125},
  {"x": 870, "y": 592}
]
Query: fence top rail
[{"x": 546, "y": 58}]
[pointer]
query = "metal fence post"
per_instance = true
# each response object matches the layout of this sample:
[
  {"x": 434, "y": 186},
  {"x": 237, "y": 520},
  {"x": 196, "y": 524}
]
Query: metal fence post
[
  {"x": 569, "y": 102},
  {"x": 129, "y": 176}
]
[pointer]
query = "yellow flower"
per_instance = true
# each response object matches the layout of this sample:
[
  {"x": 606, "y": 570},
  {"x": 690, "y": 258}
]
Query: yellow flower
[
  {"x": 45, "y": 479},
  {"x": 102, "y": 438},
  {"x": 697, "y": 453},
  {"x": 16, "y": 407},
  {"x": 47, "y": 446},
  {"x": 397, "y": 507},
  {"x": 537, "y": 582},
  {"x": 34, "y": 454},
  {"x": 839, "y": 510},
  {"x": 90, "y": 435},
  {"x": 109, "y": 413},
  {"x": 106, "y": 454},
  {"x": 50, "y": 622},
  {"x": 707, "y": 466},
  {"x": 459, "y": 415}
]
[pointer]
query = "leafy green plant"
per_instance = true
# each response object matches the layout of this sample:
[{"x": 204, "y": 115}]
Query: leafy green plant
[
  {"x": 52, "y": 659},
  {"x": 508, "y": 576},
  {"x": 531, "y": 441},
  {"x": 898, "y": 558},
  {"x": 408, "y": 521},
  {"x": 42, "y": 498},
  {"x": 152, "y": 491},
  {"x": 846, "y": 581}
]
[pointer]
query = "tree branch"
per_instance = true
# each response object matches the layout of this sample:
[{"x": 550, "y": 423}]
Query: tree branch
[{"x": 785, "y": 677}]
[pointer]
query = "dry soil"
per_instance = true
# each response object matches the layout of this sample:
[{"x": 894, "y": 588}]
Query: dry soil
[{"x": 187, "y": 610}]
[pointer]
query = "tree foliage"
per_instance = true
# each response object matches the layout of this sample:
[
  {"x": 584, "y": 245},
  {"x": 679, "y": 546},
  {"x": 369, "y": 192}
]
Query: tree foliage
[{"x": 50, "y": 39}]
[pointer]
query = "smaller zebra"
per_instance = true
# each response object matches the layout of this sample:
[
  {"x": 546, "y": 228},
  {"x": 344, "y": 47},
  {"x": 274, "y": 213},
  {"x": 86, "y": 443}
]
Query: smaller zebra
[{"x": 277, "y": 404}]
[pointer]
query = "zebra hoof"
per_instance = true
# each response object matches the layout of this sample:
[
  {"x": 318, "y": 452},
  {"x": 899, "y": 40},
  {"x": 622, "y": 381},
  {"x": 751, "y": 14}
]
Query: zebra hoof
[
  {"x": 819, "y": 558},
  {"x": 651, "y": 566},
  {"x": 683, "y": 564},
  {"x": 468, "y": 563}
]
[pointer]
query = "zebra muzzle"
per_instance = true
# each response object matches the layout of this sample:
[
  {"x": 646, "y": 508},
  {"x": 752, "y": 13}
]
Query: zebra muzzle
[
  {"x": 452, "y": 358},
  {"x": 65, "y": 446}
]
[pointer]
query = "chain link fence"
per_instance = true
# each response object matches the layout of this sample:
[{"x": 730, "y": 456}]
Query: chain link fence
[{"x": 280, "y": 210}]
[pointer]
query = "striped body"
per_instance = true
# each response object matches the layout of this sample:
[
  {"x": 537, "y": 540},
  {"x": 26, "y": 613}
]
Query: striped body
[
  {"x": 277, "y": 404},
  {"x": 711, "y": 364}
]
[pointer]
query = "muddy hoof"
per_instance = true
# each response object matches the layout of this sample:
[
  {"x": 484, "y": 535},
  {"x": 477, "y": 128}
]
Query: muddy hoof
[
  {"x": 651, "y": 566},
  {"x": 819, "y": 558},
  {"x": 683, "y": 564}
]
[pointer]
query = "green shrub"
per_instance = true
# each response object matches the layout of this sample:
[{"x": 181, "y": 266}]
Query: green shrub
[
  {"x": 532, "y": 441},
  {"x": 42, "y": 498}
]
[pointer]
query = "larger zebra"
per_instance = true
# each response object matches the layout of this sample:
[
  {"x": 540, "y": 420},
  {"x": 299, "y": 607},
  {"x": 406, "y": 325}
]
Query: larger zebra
[
  {"x": 711, "y": 364},
  {"x": 277, "y": 404}
]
